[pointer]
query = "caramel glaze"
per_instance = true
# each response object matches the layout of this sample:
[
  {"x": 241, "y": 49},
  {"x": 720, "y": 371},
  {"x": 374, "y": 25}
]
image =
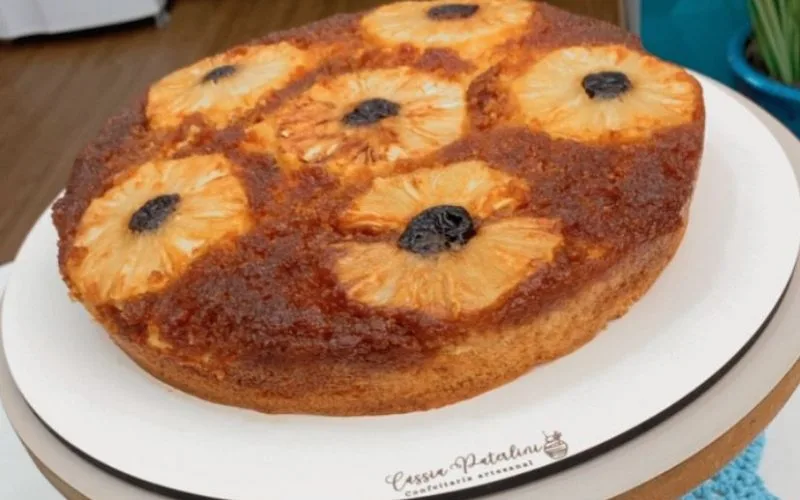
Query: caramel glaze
[{"x": 274, "y": 300}]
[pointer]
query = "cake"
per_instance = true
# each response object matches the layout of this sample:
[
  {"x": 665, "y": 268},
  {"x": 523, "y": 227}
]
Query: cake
[{"x": 383, "y": 212}]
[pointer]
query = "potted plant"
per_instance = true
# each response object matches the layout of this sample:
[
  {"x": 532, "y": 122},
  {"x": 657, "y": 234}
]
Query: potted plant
[{"x": 765, "y": 58}]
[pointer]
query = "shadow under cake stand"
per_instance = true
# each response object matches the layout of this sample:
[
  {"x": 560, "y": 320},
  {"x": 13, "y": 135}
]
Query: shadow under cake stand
[{"x": 663, "y": 462}]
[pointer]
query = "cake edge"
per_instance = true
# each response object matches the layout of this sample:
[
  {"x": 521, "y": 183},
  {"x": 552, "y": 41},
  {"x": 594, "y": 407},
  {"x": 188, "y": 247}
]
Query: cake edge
[{"x": 458, "y": 373}]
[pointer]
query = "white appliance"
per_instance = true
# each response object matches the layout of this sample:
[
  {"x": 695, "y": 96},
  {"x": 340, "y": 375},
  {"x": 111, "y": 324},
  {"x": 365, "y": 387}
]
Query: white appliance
[{"x": 20, "y": 18}]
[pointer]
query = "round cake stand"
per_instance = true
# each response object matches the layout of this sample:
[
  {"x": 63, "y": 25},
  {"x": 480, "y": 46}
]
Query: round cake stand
[{"x": 664, "y": 462}]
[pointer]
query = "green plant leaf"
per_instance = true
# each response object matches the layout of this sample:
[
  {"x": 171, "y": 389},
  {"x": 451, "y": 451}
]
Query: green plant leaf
[
  {"x": 794, "y": 41},
  {"x": 776, "y": 28},
  {"x": 762, "y": 44}
]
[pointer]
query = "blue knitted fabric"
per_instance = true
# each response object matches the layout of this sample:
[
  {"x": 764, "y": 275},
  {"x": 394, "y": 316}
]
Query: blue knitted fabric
[{"x": 738, "y": 480}]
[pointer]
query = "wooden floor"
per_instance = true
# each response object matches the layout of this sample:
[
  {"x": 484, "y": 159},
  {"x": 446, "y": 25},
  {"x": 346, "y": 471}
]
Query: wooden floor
[{"x": 56, "y": 92}]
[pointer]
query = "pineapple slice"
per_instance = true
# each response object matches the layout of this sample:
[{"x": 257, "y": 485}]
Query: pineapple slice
[
  {"x": 392, "y": 202},
  {"x": 146, "y": 230},
  {"x": 364, "y": 121},
  {"x": 604, "y": 93},
  {"x": 471, "y": 28},
  {"x": 223, "y": 86},
  {"x": 461, "y": 269},
  {"x": 448, "y": 284}
]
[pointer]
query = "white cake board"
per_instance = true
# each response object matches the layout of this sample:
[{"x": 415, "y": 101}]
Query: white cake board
[{"x": 693, "y": 430}]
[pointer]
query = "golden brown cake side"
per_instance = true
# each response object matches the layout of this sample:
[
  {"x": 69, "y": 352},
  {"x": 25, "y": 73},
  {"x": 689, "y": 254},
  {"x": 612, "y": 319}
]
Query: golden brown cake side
[
  {"x": 483, "y": 361},
  {"x": 246, "y": 231}
]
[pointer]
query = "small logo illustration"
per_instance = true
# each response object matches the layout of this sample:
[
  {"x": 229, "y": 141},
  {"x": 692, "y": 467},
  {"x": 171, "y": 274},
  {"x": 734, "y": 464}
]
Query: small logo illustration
[{"x": 554, "y": 446}]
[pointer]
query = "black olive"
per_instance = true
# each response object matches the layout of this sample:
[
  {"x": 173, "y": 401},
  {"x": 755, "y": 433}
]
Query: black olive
[
  {"x": 606, "y": 84},
  {"x": 152, "y": 214},
  {"x": 371, "y": 111},
  {"x": 436, "y": 229},
  {"x": 451, "y": 11},
  {"x": 219, "y": 73}
]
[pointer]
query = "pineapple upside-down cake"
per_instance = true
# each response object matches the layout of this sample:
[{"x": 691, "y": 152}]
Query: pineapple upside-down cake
[{"x": 387, "y": 211}]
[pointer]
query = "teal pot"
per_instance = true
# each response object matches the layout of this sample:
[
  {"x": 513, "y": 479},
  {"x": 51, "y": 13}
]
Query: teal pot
[{"x": 781, "y": 100}]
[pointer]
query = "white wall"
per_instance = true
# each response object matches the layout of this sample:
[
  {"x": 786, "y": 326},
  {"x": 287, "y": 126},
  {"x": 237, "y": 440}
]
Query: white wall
[{"x": 31, "y": 17}]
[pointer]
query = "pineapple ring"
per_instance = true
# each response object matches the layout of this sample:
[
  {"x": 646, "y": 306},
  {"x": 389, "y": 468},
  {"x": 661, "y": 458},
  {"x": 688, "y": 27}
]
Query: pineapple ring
[
  {"x": 499, "y": 257},
  {"x": 554, "y": 97},
  {"x": 444, "y": 284},
  {"x": 392, "y": 202},
  {"x": 221, "y": 87},
  {"x": 399, "y": 114},
  {"x": 115, "y": 257},
  {"x": 470, "y": 29}
]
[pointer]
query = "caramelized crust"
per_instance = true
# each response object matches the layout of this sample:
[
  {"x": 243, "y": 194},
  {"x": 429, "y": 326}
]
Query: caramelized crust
[
  {"x": 269, "y": 321},
  {"x": 484, "y": 360}
]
